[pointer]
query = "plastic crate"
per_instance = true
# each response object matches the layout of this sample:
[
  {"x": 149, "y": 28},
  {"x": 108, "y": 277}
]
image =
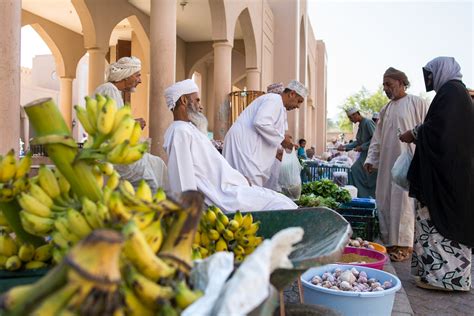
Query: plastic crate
[
  {"x": 364, "y": 221},
  {"x": 316, "y": 172},
  {"x": 11, "y": 279}
]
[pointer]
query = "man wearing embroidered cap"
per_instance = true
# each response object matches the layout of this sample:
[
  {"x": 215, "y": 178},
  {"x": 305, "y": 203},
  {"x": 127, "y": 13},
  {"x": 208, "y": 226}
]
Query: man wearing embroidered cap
[
  {"x": 124, "y": 76},
  {"x": 252, "y": 142},
  {"x": 395, "y": 207},
  {"x": 194, "y": 163},
  {"x": 363, "y": 181}
]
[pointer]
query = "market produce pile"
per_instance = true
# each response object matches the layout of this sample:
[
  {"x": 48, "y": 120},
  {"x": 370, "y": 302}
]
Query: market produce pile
[
  {"x": 217, "y": 232},
  {"x": 323, "y": 193},
  {"x": 351, "y": 280},
  {"x": 117, "y": 249},
  {"x": 360, "y": 243}
]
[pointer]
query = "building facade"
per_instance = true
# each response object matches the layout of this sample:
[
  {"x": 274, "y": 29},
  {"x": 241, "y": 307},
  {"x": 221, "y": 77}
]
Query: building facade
[{"x": 225, "y": 45}]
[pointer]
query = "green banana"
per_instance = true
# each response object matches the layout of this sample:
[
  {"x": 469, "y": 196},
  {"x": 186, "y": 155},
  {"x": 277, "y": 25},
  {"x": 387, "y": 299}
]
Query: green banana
[
  {"x": 31, "y": 205},
  {"x": 88, "y": 126},
  {"x": 36, "y": 225},
  {"x": 24, "y": 165},
  {"x": 105, "y": 118},
  {"x": 48, "y": 182}
]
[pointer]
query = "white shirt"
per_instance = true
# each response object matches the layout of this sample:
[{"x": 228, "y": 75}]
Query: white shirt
[
  {"x": 251, "y": 143},
  {"x": 194, "y": 164},
  {"x": 112, "y": 91}
]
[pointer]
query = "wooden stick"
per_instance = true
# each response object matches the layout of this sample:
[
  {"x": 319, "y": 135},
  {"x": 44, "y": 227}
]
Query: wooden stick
[
  {"x": 282, "y": 303},
  {"x": 300, "y": 289}
]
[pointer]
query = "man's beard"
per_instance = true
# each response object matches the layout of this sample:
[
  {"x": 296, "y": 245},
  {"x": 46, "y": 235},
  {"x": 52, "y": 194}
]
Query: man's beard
[{"x": 198, "y": 119}]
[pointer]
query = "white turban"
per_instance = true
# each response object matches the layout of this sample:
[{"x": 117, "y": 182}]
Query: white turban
[
  {"x": 298, "y": 87},
  {"x": 123, "y": 68},
  {"x": 376, "y": 115},
  {"x": 174, "y": 92},
  {"x": 351, "y": 111},
  {"x": 276, "y": 88}
]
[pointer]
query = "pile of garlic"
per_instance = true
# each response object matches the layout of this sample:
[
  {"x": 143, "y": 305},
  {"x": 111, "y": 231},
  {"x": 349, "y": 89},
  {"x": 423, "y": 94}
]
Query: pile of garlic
[
  {"x": 360, "y": 243},
  {"x": 349, "y": 280}
]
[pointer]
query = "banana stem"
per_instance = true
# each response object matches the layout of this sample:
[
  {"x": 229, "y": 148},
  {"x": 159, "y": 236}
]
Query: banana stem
[
  {"x": 11, "y": 210},
  {"x": 46, "y": 119}
]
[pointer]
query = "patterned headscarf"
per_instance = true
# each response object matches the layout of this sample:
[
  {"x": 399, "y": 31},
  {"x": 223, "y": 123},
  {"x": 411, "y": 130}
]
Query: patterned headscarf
[
  {"x": 443, "y": 69},
  {"x": 123, "y": 68}
]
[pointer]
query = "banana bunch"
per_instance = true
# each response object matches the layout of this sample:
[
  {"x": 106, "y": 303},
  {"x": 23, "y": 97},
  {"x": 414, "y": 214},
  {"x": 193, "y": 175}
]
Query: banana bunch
[
  {"x": 15, "y": 257},
  {"x": 13, "y": 175},
  {"x": 113, "y": 133},
  {"x": 86, "y": 282},
  {"x": 219, "y": 233}
]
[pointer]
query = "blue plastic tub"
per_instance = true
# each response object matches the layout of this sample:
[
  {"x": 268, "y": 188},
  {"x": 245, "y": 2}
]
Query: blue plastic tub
[{"x": 351, "y": 303}]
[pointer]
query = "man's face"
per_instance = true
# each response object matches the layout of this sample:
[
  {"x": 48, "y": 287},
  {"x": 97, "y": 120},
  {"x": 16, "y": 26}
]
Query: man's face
[
  {"x": 194, "y": 111},
  {"x": 353, "y": 117},
  {"x": 133, "y": 81},
  {"x": 294, "y": 101},
  {"x": 303, "y": 144},
  {"x": 195, "y": 102},
  {"x": 393, "y": 88}
]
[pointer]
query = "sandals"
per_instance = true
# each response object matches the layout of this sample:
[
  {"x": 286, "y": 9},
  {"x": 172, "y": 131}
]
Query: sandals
[{"x": 399, "y": 254}]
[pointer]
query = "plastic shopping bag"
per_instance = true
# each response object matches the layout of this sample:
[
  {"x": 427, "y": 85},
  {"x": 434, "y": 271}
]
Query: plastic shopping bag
[
  {"x": 400, "y": 170},
  {"x": 290, "y": 178}
]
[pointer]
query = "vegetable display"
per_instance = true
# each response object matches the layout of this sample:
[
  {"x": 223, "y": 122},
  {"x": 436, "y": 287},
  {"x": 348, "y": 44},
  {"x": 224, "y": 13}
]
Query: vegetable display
[{"x": 323, "y": 193}]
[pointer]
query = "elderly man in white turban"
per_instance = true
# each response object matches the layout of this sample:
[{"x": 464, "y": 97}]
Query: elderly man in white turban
[
  {"x": 252, "y": 142},
  {"x": 125, "y": 76},
  {"x": 363, "y": 181},
  {"x": 194, "y": 163}
]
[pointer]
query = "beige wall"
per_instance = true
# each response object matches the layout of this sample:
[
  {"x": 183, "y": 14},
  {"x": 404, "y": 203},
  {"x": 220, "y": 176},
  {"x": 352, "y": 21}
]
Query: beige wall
[{"x": 321, "y": 97}]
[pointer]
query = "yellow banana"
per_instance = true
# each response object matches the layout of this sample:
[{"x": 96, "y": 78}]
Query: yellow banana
[
  {"x": 123, "y": 131},
  {"x": 239, "y": 250},
  {"x": 211, "y": 217},
  {"x": 127, "y": 187},
  {"x": 106, "y": 167},
  {"x": 249, "y": 250},
  {"x": 113, "y": 180},
  {"x": 43, "y": 253},
  {"x": 144, "y": 191},
  {"x": 33, "y": 265},
  {"x": 64, "y": 186},
  {"x": 205, "y": 240},
  {"x": 13, "y": 263},
  {"x": 117, "y": 209},
  {"x": 255, "y": 241},
  {"x": 31, "y": 205},
  {"x": 238, "y": 217},
  {"x": 146, "y": 290},
  {"x": 24, "y": 165},
  {"x": 185, "y": 296},
  {"x": 89, "y": 210},
  {"x": 62, "y": 226},
  {"x": 88, "y": 126},
  {"x": 213, "y": 234},
  {"x": 197, "y": 238},
  {"x": 143, "y": 220},
  {"x": 233, "y": 225},
  {"x": 36, "y": 225},
  {"x": 123, "y": 112},
  {"x": 252, "y": 229},
  {"x": 3, "y": 260},
  {"x": 228, "y": 235},
  {"x": 54, "y": 302},
  {"x": 38, "y": 193},
  {"x": 91, "y": 110},
  {"x": 105, "y": 118},
  {"x": 133, "y": 305},
  {"x": 48, "y": 182},
  {"x": 8, "y": 245},
  {"x": 136, "y": 134},
  {"x": 154, "y": 235},
  {"x": 99, "y": 177},
  {"x": 115, "y": 156},
  {"x": 60, "y": 241},
  {"x": 103, "y": 212},
  {"x": 3, "y": 219},
  {"x": 239, "y": 258},
  {"x": 136, "y": 249},
  {"x": 221, "y": 245},
  {"x": 77, "y": 223},
  {"x": 244, "y": 242},
  {"x": 223, "y": 218},
  {"x": 8, "y": 166},
  {"x": 134, "y": 153},
  {"x": 220, "y": 227},
  {"x": 26, "y": 252},
  {"x": 58, "y": 254},
  {"x": 159, "y": 196},
  {"x": 247, "y": 221},
  {"x": 100, "y": 102}
]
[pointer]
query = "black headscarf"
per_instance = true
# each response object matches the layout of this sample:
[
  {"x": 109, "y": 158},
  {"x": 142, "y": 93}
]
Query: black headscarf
[{"x": 441, "y": 174}]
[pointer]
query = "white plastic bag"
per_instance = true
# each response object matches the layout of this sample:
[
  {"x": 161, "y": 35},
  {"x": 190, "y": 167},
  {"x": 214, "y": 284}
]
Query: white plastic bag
[
  {"x": 290, "y": 178},
  {"x": 400, "y": 170}
]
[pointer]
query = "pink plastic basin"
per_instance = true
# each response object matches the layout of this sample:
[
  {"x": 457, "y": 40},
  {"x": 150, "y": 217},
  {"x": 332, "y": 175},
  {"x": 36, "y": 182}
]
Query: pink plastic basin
[{"x": 381, "y": 257}]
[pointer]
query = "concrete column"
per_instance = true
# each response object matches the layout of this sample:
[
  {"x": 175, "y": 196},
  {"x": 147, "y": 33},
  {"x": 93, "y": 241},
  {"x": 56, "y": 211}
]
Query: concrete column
[
  {"x": 10, "y": 26},
  {"x": 96, "y": 68},
  {"x": 253, "y": 79},
  {"x": 222, "y": 87},
  {"x": 65, "y": 99},
  {"x": 162, "y": 68}
]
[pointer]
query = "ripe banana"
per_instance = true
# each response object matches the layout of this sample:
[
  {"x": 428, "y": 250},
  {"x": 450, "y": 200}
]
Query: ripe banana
[
  {"x": 118, "y": 210},
  {"x": 62, "y": 226},
  {"x": 8, "y": 245},
  {"x": 26, "y": 252},
  {"x": 185, "y": 296},
  {"x": 48, "y": 181},
  {"x": 143, "y": 220},
  {"x": 39, "y": 194},
  {"x": 105, "y": 118},
  {"x": 24, "y": 165},
  {"x": 136, "y": 134},
  {"x": 33, "y": 265},
  {"x": 91, "y": 110},
  {"x": 123, "y": 131},
  {"x": 31, "y": 205},
  {"x": 123, "y": 112},
  {"x": 8, "y": 166},
  {"x": 43, "y": 253},
  {"x": 36, "y": 225},
  {"x": 154, "y": 235},
  {"x": 88, "y": 126},
  {"x": 133, "y": 305},
  {"x": 77, "y": 223},
  {"x": 89, "y": 209},
  {"x": 13, "y": 263},
  {"x": 159, "y": 196},
  {"x": 106, "y": 167},
  {"x": 144, "y": 191},
  {"x": 136, "y": 249}
]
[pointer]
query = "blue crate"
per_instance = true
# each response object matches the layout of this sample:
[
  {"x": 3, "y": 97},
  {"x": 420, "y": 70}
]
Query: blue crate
[
  {"x": 361, "y": 202},
  {"x": 314, "y": 172}
]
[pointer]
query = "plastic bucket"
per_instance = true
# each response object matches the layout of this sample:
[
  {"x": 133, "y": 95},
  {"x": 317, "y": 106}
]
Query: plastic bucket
[
  {"x": 379, "y": 256},
  {"x": 351, "y": 303}
]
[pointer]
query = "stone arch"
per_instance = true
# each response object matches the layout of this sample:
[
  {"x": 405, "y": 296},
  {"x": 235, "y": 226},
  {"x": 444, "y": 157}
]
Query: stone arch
[
  {"x": 249, "y": 38},
  {"x": 219, "y": 20}
]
